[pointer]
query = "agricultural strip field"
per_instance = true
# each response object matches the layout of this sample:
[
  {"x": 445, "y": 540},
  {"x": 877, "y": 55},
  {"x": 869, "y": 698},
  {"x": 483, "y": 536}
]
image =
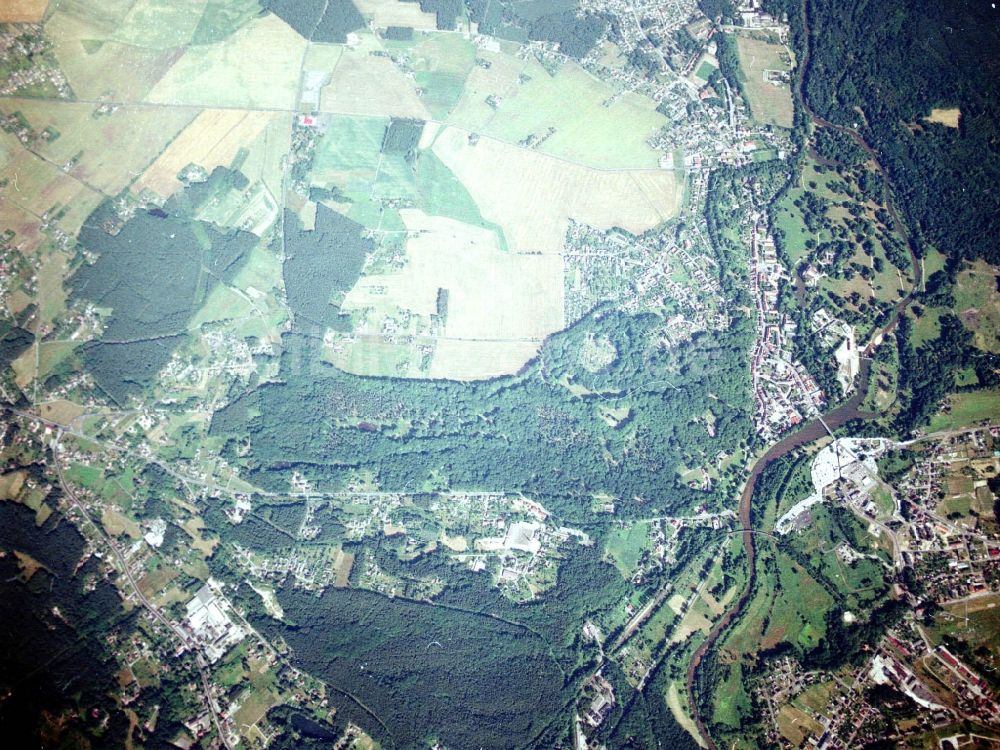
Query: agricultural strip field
[
  {"x": 211, "y": 140},
  {"x": 41, "y": 187},
  {"x": 108, "y": 149}
]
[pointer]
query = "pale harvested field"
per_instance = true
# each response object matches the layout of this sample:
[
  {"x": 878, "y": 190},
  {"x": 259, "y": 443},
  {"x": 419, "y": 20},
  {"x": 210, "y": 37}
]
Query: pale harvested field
[
  {"x": 947, "y": 117},
  {"x": 768, "y": 102},
  {"x": 680, "y": 715},
  {"x": 395, "y": 13},
  {"x": 257, "y": 67},
  {"x": 796, "y": 726},
  {"x": 693, "y": 621},
  {"x": 454, "y": 543},
  {"x": 492, "y": 294},
  {"x": 974, "y": 604},
  {"x": 212, "y": 139},
  {"x": 363, "y": 84},
  {"x": 343, "y": 564},
  {"x": 456, "y": 359},
  {"x": 60, "y": 411},
  {"x": 11, "y": 484},
  {"x": 25, "y": 226},
  {"x": 24, "y": 365},
  {"x": 116, "y": 524},
  {"x": 113, "y": 148},
  {"x": 194, "y": 527},
  {"x": 501, "y": 305},
  {"x": 23, "y": 11},
  {"x": 122, "y": 71},
  {"x": 533, "y": 196}
]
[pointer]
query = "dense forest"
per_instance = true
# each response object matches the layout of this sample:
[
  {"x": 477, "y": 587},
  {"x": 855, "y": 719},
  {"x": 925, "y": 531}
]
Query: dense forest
[
  {"x": 54, "y": 664},
  {"x": 318, "y": 20},
  {"x": 541, "y": 20},
  {"x": 478, "y": 682},
  {"x": 13, "y": 341},
  {"x": 148, "y": 318},
  {"x": 320, "y": 263},
  {"x": 525, "y": 433},
  {"x": 881, "y": 68}
]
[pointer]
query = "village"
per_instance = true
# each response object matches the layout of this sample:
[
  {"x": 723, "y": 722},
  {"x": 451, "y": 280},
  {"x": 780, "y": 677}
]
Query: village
[{"x": 936, "y": 516}]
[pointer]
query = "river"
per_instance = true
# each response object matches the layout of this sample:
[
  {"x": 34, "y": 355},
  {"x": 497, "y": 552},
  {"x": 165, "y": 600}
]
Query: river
[{"x": 817, "y": 428}]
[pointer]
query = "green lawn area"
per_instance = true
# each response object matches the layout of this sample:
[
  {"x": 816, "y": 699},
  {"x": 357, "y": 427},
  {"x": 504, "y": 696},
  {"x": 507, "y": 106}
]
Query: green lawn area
[
  {"x": 732, "y": 703},
  {"x": 934, "y": 261},
  {"x": 705, "y": 70},
  {"x": 86, "y": 476},
  {"x": 927, "y": 327},
  {"x": 967, "y": 409},
  {"x": 625, "y": 546}
]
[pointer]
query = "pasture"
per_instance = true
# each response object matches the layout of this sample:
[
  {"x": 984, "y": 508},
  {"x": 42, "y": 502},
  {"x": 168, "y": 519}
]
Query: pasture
[
  {"x": 154, "y": 24},
  {"x": 769, "y": 102},
  {"x": 626, "y": 545},
  {"x": 94, "y": 63},
  {"x": 441, "y": 63},
  {"x": 966, "y": 409},
  {"x": 365, "y": 84},
  {"x": 977, "y": 303}
]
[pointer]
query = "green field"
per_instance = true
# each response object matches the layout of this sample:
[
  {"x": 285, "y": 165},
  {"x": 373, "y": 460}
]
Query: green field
[
  {"x": 588, "y": 125},
  {"x": 626, "y": 545},
  {"x": 441, "y": 64},
  {"x": 967, "y": 409}
]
